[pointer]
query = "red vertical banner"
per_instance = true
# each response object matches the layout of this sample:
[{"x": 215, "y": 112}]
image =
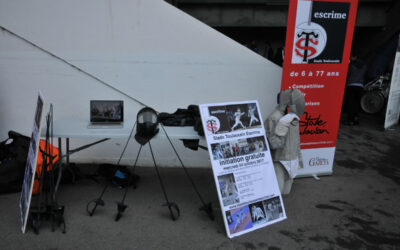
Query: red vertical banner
[{"x": 317, "y": 50}]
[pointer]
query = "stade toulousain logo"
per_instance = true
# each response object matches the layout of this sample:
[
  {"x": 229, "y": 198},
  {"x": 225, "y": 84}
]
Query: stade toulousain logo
[
  {"x": 212, "y": 124},
  {"x": 320, "y": 32},
  {"x": 309, "y": 42}
]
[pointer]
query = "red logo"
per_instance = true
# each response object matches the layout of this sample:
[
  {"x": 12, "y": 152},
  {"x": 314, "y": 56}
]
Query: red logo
[
  {"x": 309, "y": 42},
  {"x": 305, "y": 45},
  {"x": 212, "y": 124}
]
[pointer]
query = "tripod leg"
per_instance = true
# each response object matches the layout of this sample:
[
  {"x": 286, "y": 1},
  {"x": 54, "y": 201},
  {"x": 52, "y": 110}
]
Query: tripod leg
[
  {"x": 121, "y": 205},
  {"x": 99, "y": 201},
  {"x": 206, "y": 207},
  {"x": 170, "y": 205}
]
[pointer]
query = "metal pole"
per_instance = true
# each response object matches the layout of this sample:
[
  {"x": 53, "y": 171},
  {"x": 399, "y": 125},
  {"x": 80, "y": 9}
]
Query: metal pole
[
  {"x": 99, "y": 200},
  {"x": 121, "y": 205},
  {"x": 169, "y": 204},
  {"x": 207, "y": 207}
]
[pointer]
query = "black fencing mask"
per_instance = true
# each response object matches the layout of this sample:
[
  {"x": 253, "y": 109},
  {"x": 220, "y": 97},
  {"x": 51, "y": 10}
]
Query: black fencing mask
[{"x": 147, "y": 125}]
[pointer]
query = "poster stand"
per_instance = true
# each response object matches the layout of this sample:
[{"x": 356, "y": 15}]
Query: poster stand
[
  {"x": 45, "y": 201},
  {"x": 317, "y": 51}
]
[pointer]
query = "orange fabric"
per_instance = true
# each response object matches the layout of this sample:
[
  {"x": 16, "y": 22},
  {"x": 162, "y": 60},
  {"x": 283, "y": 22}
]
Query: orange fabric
[{"x": 39, "y": 163}]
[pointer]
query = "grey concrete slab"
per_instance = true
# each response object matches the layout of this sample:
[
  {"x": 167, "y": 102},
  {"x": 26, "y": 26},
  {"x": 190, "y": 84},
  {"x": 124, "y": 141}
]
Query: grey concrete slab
[{"x": 355, "y": 208}]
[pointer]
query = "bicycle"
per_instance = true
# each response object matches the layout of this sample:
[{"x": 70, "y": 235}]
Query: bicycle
[{"x": 375, "y": 94}]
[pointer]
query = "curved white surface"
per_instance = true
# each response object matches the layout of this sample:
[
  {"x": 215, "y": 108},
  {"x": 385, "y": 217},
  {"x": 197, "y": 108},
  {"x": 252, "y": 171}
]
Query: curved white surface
[{"x": 148, "y": 50}]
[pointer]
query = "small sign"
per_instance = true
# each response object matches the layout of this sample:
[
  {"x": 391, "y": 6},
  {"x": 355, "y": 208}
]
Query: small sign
[
  {"x": 393, "y": 105},
  {"x": 30, "y": 169}
]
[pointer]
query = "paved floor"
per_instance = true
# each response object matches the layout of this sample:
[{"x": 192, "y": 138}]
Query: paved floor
[{"x": 356, "y": 208}]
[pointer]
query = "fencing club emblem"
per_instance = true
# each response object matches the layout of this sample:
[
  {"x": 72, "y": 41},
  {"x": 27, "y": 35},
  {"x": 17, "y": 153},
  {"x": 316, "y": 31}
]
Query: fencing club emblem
[
  {"x": 212, "y": 124},
  {"x": 309, "y": 42}
]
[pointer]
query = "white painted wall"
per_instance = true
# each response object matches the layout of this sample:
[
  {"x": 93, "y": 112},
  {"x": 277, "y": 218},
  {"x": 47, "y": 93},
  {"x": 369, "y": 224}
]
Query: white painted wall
[{"x": 149, "y": 50}]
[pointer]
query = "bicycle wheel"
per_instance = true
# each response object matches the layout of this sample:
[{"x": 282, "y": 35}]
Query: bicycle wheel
[{"x": 372, "y": 102}]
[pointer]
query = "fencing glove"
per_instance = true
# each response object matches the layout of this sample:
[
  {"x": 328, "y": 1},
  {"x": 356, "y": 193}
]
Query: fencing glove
[{"x": 283, "y": 125}]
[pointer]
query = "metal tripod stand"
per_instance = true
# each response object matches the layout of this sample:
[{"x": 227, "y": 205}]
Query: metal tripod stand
[{"x": 172, "y": 206}]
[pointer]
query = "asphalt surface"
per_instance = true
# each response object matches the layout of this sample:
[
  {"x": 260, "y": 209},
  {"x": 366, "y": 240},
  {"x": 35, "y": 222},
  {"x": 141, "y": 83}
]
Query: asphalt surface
[{"x": 355, "y": 208}]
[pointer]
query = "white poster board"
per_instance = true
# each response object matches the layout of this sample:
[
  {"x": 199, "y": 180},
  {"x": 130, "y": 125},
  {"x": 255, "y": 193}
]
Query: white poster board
[
  {"x": 393, "y": 106},
  {"x": 30, "y": 169},
  {"x": 243, "y": 170}
]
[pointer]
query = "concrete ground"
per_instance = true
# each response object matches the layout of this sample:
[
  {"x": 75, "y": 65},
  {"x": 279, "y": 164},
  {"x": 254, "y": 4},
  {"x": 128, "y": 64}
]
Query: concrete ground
[{"x": 356, "y": 208}]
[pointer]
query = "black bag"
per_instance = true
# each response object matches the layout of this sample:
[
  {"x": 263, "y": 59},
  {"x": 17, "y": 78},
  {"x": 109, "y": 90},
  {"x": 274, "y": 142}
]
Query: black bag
[
  {"x": 119, "y": 176},
  {"x": 13, "y": 154},
  {"x": 183, "y": 117}
]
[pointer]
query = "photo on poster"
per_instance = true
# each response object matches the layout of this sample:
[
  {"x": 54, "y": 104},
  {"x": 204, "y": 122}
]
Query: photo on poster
[
  {"x": 218, "y": 121},
  {"x": 241, "y": 219},
  {"x": 228, "y": 217},
  {"x": 237, "y": 115},
  {"x": 273, "y": 208},
  {"x": 320, "y": 32},
  {"x": 257, "y": 213},
  {"x": 239, "y": 147},
  {"x": 253, "y": 115},
  {"x": 228, "y": 189},
  {"x": 25, "y": 193},
  {"x": 229, "y": 118},
  {"x": 32, "y": 145},
  {"x": 38, "y": 113}
]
